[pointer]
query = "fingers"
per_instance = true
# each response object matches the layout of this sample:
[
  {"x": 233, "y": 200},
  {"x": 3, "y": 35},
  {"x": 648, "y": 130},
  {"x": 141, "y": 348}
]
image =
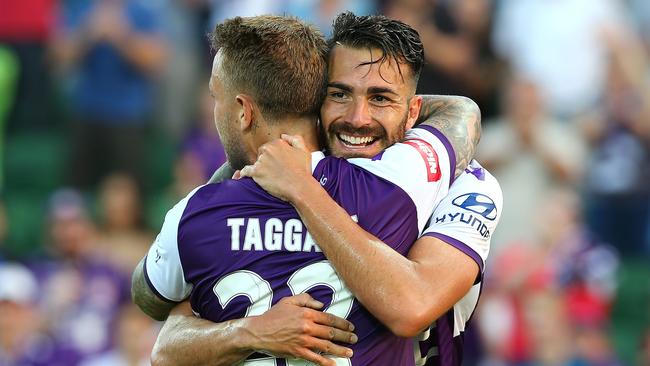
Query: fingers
[
  {"x": 295, "y": 141},
  {"x": 330, "y": 348},
  {"x": 271, "y": 146},
  {"x": 333, "y": 334},
  {"x": 246, "y": 171},
  {"x": 304, "y": 300},
  {"x": 331, "y": 320},
  {"x": 237, "y": 174},
  {"x": 317, "y": 359}
]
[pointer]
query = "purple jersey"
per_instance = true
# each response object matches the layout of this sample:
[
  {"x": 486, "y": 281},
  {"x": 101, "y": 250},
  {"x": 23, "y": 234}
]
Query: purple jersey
[{"x": 235, "y": 250}]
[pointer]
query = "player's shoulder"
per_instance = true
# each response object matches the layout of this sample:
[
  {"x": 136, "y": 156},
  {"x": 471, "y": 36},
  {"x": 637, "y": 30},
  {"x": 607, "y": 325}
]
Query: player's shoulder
[
  {"x": 476, "y": 178},
  {"x": 476, "y": 190},
  {"x": 421, "y": 157},
  {"x": 231, "y": 192}
]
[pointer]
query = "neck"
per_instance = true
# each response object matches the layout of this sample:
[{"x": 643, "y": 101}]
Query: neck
[{"x": 305, "y": 127}]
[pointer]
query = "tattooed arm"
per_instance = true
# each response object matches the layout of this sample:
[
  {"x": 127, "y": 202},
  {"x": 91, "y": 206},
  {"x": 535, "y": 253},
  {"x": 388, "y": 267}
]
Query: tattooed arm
[
  {"x": 145, "y": 298},
  {"x": 459, "y": 119}
]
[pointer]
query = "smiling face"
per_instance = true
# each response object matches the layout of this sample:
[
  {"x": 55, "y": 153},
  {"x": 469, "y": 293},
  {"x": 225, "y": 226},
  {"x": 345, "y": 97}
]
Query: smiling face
[{"x": 368, "y": 106}]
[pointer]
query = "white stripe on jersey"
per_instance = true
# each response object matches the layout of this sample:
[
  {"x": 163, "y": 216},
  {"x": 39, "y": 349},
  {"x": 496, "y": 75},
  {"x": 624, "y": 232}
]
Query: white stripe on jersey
[{"x": 164, "y": 270}]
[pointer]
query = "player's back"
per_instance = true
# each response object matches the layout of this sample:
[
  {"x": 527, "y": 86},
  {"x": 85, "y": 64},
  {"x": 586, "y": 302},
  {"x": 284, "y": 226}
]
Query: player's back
[{"x": 241, "y": 250}]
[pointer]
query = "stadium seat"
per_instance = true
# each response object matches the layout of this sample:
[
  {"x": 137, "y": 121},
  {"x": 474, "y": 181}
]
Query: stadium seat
[
  {"x": 34, "y": 163},
  {"x": 25, "y": 217}
]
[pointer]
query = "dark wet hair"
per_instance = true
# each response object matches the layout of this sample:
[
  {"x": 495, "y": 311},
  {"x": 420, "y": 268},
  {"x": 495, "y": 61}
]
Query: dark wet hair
[{"x": 397, "y": 40}]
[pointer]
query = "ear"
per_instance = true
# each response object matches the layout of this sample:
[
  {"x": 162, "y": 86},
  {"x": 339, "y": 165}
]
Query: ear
[
  {"x": 415, "y": 104},
  {"x": 246, "y": 112}
]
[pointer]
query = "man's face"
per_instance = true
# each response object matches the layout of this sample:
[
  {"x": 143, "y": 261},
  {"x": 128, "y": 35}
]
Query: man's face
[
  {"x": 225, "y": 110},
  {"x": 367, "y": 107}
]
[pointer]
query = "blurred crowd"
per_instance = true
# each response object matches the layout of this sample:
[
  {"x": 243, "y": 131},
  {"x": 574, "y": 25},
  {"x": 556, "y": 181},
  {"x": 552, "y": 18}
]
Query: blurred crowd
[{"x": 106, "y": 121}]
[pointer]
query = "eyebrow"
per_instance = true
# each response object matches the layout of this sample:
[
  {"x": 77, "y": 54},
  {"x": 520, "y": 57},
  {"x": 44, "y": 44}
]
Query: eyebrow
[
  {"x": 371, "y": 90},
  {"x": 341, "y": 86},
  {"x": 381, "y": 90}
]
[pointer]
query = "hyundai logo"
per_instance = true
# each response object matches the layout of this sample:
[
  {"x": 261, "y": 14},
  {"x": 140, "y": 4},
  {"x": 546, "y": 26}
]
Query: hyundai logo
[{"x": 477, "y": 203}]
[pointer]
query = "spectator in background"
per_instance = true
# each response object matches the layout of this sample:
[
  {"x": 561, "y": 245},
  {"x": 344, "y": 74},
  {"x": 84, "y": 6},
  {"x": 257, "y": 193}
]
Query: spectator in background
[
  {"x": 199, "y": 155},
  {"x": 549, "y": 304},
  {"x": 583, "y": 274},
  {"x": 123, "y": 239},
  {"x": 562, "y": 46},
  {"x": 25, "y": 30},
  {"x": 618, "y": 193},
  {"x": 134, "y": 339},
  {"x": 594, "y": 348},
  {"x": 547, "y": 321},
  {"x": 202, "y": 143},
  {"x": 458, "y": 51},
  {"x": 81, "y": 293},
  {"x": 114, "y": 49},
  {"x": 21, "y": 340},
  {"x": 527, "y": 142},
  {"x": 580, "y": 265},
  {"x": 182, "y": 26}
]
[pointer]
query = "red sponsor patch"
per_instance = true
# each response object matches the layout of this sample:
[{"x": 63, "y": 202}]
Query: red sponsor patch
[{"x": 430, "y": 158}]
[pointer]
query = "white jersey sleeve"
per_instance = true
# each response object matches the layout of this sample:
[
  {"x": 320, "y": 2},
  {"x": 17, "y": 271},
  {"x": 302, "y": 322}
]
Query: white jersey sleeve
[
  {"x": 162, "y": 267},
  {"x": 468, "y": 215},
  {"x": 422, "y": 165}
]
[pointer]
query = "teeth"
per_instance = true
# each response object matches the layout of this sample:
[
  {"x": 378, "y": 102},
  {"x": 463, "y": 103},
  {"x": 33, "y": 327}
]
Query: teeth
[{"x": 356, "y": 140}]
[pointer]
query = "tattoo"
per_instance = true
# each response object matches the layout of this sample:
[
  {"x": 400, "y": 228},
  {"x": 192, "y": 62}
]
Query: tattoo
[
  {"x": 145, "y": 298},
  {"x": 223, "y": 173},
  {"x": 459, "y": 119}
]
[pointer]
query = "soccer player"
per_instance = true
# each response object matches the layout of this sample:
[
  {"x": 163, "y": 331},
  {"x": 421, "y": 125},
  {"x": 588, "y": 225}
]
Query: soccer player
[
  {"x": 405, "y": 294},
  {"x": 432, "y": 285},
  {"x": 418, "y": 151}
]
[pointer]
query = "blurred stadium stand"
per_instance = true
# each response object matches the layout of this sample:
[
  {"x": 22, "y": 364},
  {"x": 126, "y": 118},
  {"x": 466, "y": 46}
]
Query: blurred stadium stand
[{"x": 475, "y": 47}]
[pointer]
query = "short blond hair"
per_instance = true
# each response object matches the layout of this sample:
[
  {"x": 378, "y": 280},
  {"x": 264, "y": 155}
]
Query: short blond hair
[{"x": 279, "y": 61}]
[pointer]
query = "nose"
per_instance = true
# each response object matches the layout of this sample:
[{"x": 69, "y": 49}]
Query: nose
[{"x": 359, "y": 113}]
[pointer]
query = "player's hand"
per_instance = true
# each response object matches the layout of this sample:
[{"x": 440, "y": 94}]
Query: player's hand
[
  {"x": 295, "y": 328},
  {"x": 281, "y": 166}
]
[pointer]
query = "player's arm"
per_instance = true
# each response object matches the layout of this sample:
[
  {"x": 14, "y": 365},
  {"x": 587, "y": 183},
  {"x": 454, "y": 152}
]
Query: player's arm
[
  {"x": 389, "y": 285},
  {"x": 158, "y": 285},
  {"x": 294, "y": 327},
  {"x": 143, "y": 296},
  {"x": 459, "y": 119},
  {"x": 158, "y": 281},
  {"x": 187, "y": 340},
  {"x": 405, "y": 294}
]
